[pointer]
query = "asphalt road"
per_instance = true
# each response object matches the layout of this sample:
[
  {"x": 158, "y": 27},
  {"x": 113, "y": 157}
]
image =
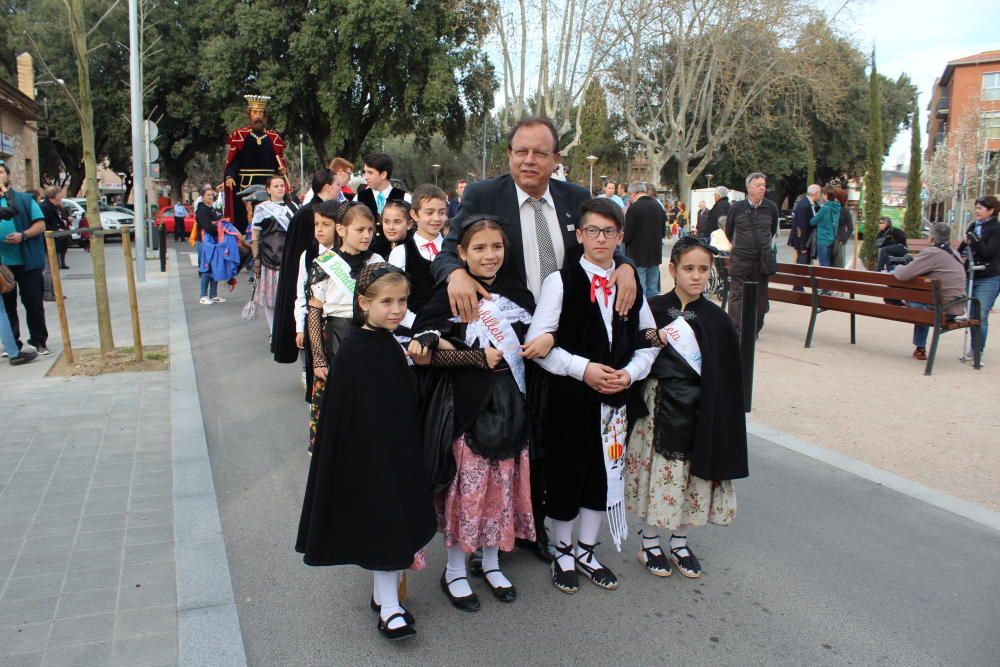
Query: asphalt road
[{"x": 820, "y": 567}]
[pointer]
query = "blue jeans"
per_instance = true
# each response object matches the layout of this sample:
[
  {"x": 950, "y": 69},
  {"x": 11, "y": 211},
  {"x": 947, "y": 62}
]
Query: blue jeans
[
  {"x": 920, "y": 331},
  {"x": 823, "y": 252},
  {"x": 985, "y": 290},
  {"x": 649, "y": 279},
  {"x": 209, "y": 287},
  {"x": 7, "y": 335}
]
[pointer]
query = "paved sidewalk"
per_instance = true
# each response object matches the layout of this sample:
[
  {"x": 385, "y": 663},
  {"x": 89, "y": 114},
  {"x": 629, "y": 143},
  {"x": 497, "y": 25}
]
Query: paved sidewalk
[{"x": 88, "y": 572}]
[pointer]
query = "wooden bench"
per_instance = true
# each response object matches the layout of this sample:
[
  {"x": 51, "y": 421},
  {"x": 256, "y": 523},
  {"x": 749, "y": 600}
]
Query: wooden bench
[{"x": 885, "y": 286}]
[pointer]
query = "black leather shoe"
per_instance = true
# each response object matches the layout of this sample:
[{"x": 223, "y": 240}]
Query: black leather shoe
[
  {"x": 475, "y": 564},
  {"x": 541, "y": 547},
  {"x": 468, "y": 603},
  {"x": 508, "y": 594},
  {"x": 407, "y": 616},
  {"x": 395, "y": 634}
]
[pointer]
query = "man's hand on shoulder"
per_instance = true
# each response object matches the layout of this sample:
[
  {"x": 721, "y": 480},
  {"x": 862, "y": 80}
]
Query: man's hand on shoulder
[
  {"x": 463, "y": 295},
  {"x": 624, "y": 279}
]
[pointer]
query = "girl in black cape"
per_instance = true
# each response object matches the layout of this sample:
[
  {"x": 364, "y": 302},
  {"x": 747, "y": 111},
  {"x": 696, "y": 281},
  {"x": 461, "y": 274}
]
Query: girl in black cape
[
  {"x": 368, "y": 501},
  {"x": 683, "y": 456},
  {"x": 487, "y": 502}
]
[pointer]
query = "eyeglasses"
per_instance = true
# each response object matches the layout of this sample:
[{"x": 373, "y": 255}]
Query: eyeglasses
[
  {"x": 525, "y": 152},
  {"x": 593, "y": 232}
]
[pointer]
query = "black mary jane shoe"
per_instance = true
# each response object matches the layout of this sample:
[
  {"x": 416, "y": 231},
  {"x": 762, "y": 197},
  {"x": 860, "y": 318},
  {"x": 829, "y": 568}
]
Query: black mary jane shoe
[
  {"x": 565, "y": 581},
  {"x": 686, "y": 562},
  {"x": 407, "y": 616},
  {"x": 467, "y": 603},
  {"x": 601, "y": 576},
  {"x": 508, "y": 594},
  {"x": 542, "y": 549},
  {"x": 653, "y": 558},
  {"x": 395, "y": 634}
]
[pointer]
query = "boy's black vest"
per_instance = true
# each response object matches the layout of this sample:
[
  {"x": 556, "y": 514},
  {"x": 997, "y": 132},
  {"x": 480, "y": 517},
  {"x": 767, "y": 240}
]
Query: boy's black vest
[
  {"x": 582, "y": 332},
  {"x": 418, "y": 270}
]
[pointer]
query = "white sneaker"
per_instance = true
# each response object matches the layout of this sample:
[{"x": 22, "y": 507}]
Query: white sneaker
[
  {"x": 218, "y": 299},
  {"x": 205, "y": 301}
]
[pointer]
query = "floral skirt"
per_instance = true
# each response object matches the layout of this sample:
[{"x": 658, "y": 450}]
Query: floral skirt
[
  {"x": 488, "y": 504},
  {"x": 663, "y": 491},
  {"x": 267, "y": 287}
]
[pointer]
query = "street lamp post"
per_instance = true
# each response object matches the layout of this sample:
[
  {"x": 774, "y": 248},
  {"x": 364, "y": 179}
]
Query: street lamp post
[
  {"x": 591, "y": 160},
  {"x": 435, "y": 168},
  {"x": 709, "y": 177}
]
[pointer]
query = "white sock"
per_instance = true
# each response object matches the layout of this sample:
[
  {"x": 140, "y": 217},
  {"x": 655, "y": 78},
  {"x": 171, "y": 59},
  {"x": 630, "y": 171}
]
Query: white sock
[
  {"x": 590, "y": 525},
  {"x": 562, "y": 531},
  {"x": 491, "y": 561},
  {"x": 387, "y": 594},
  {"x": 269, "y": 316},
  {"x": 650, "y": 537},
  {"x": 456, "y": 570},
  {"x": 678, "y": 541}
]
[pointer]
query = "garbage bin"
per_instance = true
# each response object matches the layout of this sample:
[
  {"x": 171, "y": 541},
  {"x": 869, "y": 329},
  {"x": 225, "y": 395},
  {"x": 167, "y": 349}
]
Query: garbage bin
[{"x": 152, "y": 235}]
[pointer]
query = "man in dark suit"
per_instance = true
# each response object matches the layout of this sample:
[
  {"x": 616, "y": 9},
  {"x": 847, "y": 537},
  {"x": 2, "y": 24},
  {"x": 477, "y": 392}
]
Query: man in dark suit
[
  {"x": 378, "y": 171},
  {"x": 719, "y": 212},
  {"x": 645, "y": 228},
  {"x": 541, "y": 215}
]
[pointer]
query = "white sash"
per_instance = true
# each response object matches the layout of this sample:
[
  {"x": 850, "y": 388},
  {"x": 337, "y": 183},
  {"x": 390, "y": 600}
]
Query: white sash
[
  {"x": 614, "y": 428},
  {"x": 680, "y": 336},
  {"x": 493, "y": 326},
  {"x": 340, "y": 274}
]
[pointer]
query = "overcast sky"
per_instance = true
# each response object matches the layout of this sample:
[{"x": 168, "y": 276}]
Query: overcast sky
[{"x": 919, "y": 37}]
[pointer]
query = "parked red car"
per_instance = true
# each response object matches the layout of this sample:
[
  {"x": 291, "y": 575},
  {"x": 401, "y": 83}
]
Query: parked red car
[{"x": 166, "y": 217}]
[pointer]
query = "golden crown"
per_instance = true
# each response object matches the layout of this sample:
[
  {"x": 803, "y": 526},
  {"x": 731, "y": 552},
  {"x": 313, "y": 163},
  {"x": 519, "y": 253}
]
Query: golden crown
[{"x": 257, "y": 102}]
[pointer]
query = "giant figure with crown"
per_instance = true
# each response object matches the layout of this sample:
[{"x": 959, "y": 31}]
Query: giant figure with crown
[{"x": 255, "y": 153}]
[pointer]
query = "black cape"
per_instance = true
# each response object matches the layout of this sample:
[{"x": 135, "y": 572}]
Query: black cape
[
  {"x": 300, "y": 235},
  {"x": 717, "y": 434},
  {"x": 368, "y": 499}
]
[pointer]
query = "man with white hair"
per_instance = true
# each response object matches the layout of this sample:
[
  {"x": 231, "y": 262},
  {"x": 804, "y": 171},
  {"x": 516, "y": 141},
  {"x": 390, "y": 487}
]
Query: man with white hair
[
  {"x": 720, "y": 210},
  {"x": 751, "y": 226},
  {"x": 645, "y": 228},
  {"x": 936, "y": 262},
  {"x": 801, "y": 231}
]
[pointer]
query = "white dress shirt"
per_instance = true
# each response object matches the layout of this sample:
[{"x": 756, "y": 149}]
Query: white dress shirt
[
  {"x": 546, "y": 320},
  {"x": 397, "y": 256},
  {"x": 529, "y": 238},
  {"x": 300, "y": 292}
]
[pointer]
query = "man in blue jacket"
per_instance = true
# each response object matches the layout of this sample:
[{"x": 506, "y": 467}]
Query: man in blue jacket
[{"x": 23, "y": 250}]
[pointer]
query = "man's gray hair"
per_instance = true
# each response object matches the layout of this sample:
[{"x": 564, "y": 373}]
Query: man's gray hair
[
  {"x": 722, "y": 191},
  {"x": 754, "y": 176},
  {"x": 651, "y": 189},
  {"x": 813, "y": 190},
  {"x": 205, "y": 187},
  {"x": 636, "y": 186},
  {"x": 940, "y": 232}
]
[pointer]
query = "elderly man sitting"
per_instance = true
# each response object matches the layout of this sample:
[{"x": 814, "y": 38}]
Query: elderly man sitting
[{"x": 938, "y": 262}]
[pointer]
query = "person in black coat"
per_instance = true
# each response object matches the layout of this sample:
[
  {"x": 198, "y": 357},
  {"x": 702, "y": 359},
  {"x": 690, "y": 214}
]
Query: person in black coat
[
  {"x": 378, "y": 171},
  {"x": 645, "y": 228},
  {"x": 890, "y": 241},
  {"x": 982, "y": 239},
  {"x": 719, "y": 212},
  {"x": 55, "y": 221},
  {"x": 801, "y": 232}
]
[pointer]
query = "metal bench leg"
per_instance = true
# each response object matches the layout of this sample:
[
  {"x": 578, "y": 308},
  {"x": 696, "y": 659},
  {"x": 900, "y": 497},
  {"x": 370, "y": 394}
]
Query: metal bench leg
[
  {"x": 815, "y": 309},
  {"x": 933, "y": 351},
  {"x": 854, "y": 337},
  {"x": 977, "y": 355}
]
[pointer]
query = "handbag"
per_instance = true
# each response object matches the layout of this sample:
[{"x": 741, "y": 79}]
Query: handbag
[{"x": 6, "y": 280}]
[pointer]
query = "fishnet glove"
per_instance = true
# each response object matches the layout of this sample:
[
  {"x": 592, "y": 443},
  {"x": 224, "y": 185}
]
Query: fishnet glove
[
  {"x": 452, "y": 358},
  {"x": 314, "y": 325},
  {"x": 255, "y": 251},
  {"x": 428, "y": 339},
  {"x": 649, "y": 338}
]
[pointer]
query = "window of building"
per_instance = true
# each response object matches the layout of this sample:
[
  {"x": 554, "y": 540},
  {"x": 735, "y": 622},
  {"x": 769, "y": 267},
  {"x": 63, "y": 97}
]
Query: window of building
[
  {"x": 991, "y": 125},
  {"x": 991, "y": 86}
]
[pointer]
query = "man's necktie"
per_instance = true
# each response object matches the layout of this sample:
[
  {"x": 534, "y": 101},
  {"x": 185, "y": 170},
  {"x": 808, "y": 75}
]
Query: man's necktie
[
  {"x": 599, "y": 284},
  {"x": 431, "y": 249},
  {"x": 546, "y": 251},
  {"x": 380, "y": 202}
]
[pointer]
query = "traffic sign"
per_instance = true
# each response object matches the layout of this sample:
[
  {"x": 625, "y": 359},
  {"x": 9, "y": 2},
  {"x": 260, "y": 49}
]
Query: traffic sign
[
  {"x": 154, "y": 153},
  {"x": 152, "y": 132}
]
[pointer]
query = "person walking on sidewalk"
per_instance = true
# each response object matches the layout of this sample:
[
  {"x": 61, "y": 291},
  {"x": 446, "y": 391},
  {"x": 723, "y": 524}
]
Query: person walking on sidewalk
[
  {"x": 751, "y": 226},
  {"x": 22, "y": 225},
  {"x": 645, "y": 228},
  {"x": 802, "y": 235},
  {"x": 180, "y": 212},
  {"x": 982, "y": 239}
]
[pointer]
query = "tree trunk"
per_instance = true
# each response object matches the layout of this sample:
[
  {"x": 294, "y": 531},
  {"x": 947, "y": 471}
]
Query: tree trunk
[
  {"x": 657, "y": 160},
  {"x": 78, "y": 35},
  {"x": 684, "y": 181}
]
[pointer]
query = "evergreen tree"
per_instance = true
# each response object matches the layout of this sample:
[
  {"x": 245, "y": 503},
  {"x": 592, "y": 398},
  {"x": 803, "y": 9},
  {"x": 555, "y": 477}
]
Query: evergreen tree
[
  {"x": 914, "y": 205},
  {"x": 873, "y": 170},
  {"x": 596, "y": 138}
]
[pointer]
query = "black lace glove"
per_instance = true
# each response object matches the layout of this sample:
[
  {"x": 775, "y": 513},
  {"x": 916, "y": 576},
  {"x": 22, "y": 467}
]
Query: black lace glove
[
  {"x": 314, "y": 325},
  {"x": 452, "y": 358},
  {"x": 428, "y": 339},
  {"x": 649, "y": 338}
]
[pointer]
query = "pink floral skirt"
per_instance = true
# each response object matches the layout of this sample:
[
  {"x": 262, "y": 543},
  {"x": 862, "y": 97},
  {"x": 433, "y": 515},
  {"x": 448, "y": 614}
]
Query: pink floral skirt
[{"x": 488, "y": 504}]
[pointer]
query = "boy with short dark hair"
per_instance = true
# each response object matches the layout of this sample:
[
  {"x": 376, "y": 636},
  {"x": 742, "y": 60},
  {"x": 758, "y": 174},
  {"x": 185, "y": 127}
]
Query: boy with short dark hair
[
  {"x": 593, "y": 369},
  {"x": 379, "y": 190},
  {"x": 429, "y": 211}
]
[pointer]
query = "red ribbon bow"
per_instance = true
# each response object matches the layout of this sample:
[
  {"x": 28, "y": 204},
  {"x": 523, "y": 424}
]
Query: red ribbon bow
[
  {"x": 599, "y": 283},
  {"x": 431, "y": 248}
]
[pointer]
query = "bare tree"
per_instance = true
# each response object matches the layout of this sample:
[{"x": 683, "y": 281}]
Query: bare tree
[
  {"x": 561, "y": 42},
  {"x": 692, "y": 73}
]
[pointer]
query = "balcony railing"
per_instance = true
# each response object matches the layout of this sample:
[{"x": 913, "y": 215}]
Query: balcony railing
[{"x": 943, "y": 106}]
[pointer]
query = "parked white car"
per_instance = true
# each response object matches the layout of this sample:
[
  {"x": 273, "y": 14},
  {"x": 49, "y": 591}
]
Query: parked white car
[{"x": 111, "y": 217}]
